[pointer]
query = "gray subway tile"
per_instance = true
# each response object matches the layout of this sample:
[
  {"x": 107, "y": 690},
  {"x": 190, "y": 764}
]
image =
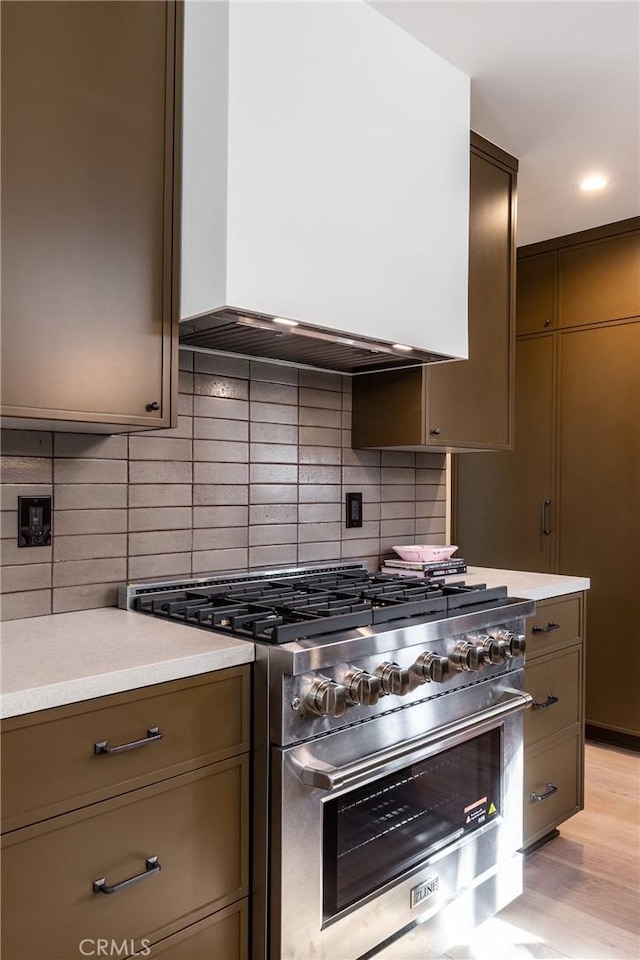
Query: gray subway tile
[
  {"x": 430, "y": 531},
  {"x": 398, "y": 458},
  {"x": 213, "y": 494},
  {"x": 223, "y": 473},
  {"x": 26, "y": 443},
  {"x": 215, "y": 560},
  {"x": 319, "y": 473},
  {"x": 12, "y": 554},
  {"x": 427, "y": 491},
  {"x": 313, "y": 513},
  {"x": 185, "y": 405},
  {"x": 322, "y": 380},
  {"x": 402, "y": 510},
  {"x": 432, "y": 476},
  {"x": 328, "y": 550},
  {"x": 274, "y": 453},
  {"x": 9, "y": 492},
  {"x": 320, "y": 493},
  {"x": 282, "y": 554},
  {"x": 220, "y": 538},
  {"x": 86, "y": 597},
  {"x": 273, "y": 372},
  {"x": 316, "y": 532},
  {"x": 159, "y": 448},
  {"x": 221, "y": 365},
  {"x": 370, "y": 491},
  {"x": 185, "y": 360},
  {"x": 273, "y": 473},
  {"x": 8, "y": 523},
  {"x": 264, "y": 392},
  {"x": 159, "y": 471},
  {"x": 431, "y": 509},
  {"x": 272, "y": 533},
  {"x": 316, "y": 417},
  {"x": 368, "y": 530},
  {"x": 90, "y": 471},
  {"x": 89, "y": 546},
  {"x": 220, "y": 407},
  {"x": 397, "y": 492},
  {"x": 360, "y": 475},
  {"x": 221, "y": 451},
  {"x": 72, "y": 573},
  {"x": 185, "y": 381},
  {"x": 160, "y": 565},
  {"x": 324, "y": 399},
  {"x": 214, "y": 385},
  {"x": 160, "y": 495},
  {"x": 397, "y": 475},
  {"x": 320, "y": 436},
  {"x": 91, "y": 446},
  {"x": 273, "y": 513},
  {"x": 321, "y": 455},
  {"x": 159, "y": 541},
  {"x": 435, "y": 461},
  {"x": 81, "y": 496},
  {"x": 160, "y": 518},
  {"x": 31, "y": 603},
  {"x": 26, "y": 469},
  {"x": 359, "y": 549},
  {"x": 69, "y": 522},
  {"x": 26, "y": 576},
  {"x": 220, "y": 517},
  {"x": 212, "y": 428},
  {"x": 397, "y": 528},
  {"x": 273, "y": 493},
  {"x": 273, "y": 412},
  {"x": 273, "y": 432}
]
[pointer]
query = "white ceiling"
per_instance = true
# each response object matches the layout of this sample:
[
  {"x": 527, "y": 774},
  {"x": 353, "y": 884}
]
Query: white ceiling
[{"x": 555, "y": 83}]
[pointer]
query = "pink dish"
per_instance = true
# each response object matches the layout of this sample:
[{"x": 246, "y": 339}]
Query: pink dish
[{"x": 424, "y": 553}]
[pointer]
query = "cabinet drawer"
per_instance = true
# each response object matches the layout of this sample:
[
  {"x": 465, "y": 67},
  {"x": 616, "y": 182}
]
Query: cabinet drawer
[
  {"x": 195, "y": 824},
  {"x": 554, "y": 622},
  {"x": 49, "y": 761},
  {"x": 559, "y": 765},
  {"x": 225, "y": 934},
  {"x": 555, "y": 682}
]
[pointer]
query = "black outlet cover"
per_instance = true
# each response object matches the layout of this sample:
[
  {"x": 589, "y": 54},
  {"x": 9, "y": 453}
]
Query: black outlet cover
[
  {"x": 354, "y": 509},
  {"x": 34, "y": 521}
]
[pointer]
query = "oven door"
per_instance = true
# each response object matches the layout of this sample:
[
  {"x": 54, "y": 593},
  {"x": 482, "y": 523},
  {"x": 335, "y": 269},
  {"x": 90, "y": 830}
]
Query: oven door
[{"x": 409, "y": 817}]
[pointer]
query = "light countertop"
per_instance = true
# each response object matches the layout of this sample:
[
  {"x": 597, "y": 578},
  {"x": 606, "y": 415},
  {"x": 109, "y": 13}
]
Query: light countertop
[
  {"x": 68, "y": 657},
  {"x": 529, "y": 586}
]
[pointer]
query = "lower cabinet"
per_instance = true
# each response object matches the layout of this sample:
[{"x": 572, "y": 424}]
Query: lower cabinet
[
  {"x": 554, "y": 726},
  {"x": 165, "y": 864}
]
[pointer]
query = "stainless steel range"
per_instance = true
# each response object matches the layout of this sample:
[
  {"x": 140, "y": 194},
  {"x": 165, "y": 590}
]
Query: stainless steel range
[{"x": 387, "y": 785}]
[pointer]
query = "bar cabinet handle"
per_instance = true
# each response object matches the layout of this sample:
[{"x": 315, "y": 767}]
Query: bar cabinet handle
[
  {"x": 153, "y": 734},
  {"x": 152, "y": 866},
  {"x": 551, "y": 789},
  {"x": 549, "y": 627},
  {"x": 545, "y": 517},
  {"x": 536, "y": 705}
]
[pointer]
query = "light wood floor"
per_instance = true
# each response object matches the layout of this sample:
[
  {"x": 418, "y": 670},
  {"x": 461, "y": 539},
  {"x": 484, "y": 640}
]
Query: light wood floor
[{"x": 582, "y": 890}]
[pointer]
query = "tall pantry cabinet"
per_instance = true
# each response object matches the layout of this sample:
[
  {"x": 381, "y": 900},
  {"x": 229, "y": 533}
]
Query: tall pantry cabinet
[{"x": 567, "y": 499}]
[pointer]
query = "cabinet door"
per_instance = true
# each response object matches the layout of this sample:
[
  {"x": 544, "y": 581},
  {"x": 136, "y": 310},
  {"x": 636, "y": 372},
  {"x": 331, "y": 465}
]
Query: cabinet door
[
  {"x": 470, "y": 402},
  {"x": 536, "y": 294},
  {"x": 599, "y": 446},
  {"x": 499, "y": 497},
  {"x": 600, "y": 281},
  {"x": 87, "y": 173}
]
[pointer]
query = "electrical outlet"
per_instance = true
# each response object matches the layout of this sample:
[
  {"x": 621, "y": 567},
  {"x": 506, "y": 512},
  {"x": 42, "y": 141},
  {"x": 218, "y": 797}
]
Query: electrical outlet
[
  {"x": 34, "y": 521},
  {"x": 354, "y": 510}
]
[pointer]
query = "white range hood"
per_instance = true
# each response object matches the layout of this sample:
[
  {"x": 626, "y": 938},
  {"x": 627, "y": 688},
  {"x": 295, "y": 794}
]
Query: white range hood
[{"x": 325, "y": 181}]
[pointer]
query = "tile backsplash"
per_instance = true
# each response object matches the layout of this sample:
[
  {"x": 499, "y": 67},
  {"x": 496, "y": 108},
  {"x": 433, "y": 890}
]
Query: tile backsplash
[{"x": 254, "y": 475}]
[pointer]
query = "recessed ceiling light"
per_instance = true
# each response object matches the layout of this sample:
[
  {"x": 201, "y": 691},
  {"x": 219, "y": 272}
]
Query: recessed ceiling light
[
  {"x": 284, "y": 322},
  {"x": 595, "y": 182},
  {"x": 401, "y": 346}
]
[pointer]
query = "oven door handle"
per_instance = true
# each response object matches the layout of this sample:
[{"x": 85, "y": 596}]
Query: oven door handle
[{"x": 328, "y": 777}]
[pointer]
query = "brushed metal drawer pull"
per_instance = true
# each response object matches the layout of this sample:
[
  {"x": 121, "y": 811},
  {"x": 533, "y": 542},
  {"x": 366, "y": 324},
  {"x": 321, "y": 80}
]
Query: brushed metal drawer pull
[
  {"x": 153, "y": 734},
  {"x": 551, "y": 789},
  {"x": 549, "y": 627},
  {"x": 152, "y": 866},
  {"x": 536, "y": 705},
  {"x": 546, "y": 529}
]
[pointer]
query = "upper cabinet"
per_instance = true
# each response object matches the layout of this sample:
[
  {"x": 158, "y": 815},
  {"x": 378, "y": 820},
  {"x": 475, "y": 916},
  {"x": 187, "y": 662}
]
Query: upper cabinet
[
  {"x": 467, "y": 404},
  {"x": 90, "y": 141},
  {"x": 536, "y": 294},
  {"x": 600, "y": 281}
]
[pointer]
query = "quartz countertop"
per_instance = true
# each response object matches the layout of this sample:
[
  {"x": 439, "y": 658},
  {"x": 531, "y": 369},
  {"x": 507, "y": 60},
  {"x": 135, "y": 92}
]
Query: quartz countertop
[
  {"x": 529, "y": 586},
  {"x": 68, "y": 657}
]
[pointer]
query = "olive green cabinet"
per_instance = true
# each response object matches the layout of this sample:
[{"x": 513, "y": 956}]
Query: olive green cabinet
[
  {"x": 127, "y": 818},
  {"x": 90, "y": 145},
  {"x": 466, "y": 404},
  {"x": 567, "y": 499}
]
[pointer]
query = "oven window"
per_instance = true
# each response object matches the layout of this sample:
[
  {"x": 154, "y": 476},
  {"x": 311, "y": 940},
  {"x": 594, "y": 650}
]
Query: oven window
[{"x": 375, "y": 833}]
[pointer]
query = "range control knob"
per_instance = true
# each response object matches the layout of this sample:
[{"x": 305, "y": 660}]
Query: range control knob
[
  {"x": 327, "y": 698},
  {"x": 394, "y": 679},
  {"x": 429, "y": 666},
  {"x": 494, "y": 650},
  {"x": 516, "y": 642},
  {"x": 467, "y": 656},
  {"x": 362, "y": 687}
]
